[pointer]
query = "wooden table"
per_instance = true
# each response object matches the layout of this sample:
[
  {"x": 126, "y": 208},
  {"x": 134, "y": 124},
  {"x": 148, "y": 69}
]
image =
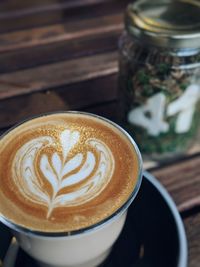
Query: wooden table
[{"x": 61, "y": 55}]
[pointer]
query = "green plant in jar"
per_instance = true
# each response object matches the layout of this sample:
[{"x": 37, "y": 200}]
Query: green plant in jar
[{"x": 160, "y": 76}]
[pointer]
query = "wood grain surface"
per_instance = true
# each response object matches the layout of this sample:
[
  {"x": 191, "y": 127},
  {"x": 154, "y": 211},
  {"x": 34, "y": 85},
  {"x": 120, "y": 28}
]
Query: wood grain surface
[
  {"x": 192, "y": 226},
  {"x": 18, "y": 15},
  {"x": 60, "y": 32},
  {"x": 57, "y": 74},
  {"x": 71, "y": 97},
  {"x": 51, "y": 53},
  {"x": 182, "y": 179},
  {"x": 54, "y": 43}
]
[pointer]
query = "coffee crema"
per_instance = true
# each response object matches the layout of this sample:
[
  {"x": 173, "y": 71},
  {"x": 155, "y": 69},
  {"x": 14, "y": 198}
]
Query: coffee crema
[{"x": 64, "y": 172}]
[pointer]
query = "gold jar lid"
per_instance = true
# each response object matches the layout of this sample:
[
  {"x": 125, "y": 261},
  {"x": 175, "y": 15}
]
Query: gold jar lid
[{"x": 166, "y": 23}]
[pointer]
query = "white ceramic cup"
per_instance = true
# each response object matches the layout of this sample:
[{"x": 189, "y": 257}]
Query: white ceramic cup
[{"x": 87, "y": 247}]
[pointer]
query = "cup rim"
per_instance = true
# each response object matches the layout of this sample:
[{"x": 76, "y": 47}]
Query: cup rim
[{"x": 96, "y": 226}]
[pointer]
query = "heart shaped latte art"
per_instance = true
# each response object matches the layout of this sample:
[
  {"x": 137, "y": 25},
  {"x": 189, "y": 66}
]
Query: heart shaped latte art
[{"x": 84, "y": 175}]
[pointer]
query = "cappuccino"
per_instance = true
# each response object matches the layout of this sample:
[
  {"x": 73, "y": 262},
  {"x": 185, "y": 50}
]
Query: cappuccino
[{"x": 64, "y": 172}]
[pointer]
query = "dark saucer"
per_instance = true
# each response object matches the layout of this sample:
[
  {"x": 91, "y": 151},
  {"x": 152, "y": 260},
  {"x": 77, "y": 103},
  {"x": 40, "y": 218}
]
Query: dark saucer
[{"x": 153, "y": 235}]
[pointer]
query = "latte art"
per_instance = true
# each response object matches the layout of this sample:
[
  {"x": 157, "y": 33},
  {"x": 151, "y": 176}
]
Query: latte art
[
  {"x": 90, "y": 173},
  {"x": 65, "y": 172}
]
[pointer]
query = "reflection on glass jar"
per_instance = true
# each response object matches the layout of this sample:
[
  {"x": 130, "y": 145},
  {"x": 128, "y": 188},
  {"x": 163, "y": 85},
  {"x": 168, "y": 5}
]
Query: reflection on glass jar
[{"x": 160, "y": 76}]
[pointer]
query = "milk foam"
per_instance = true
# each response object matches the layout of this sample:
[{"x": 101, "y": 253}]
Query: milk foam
[{"x": 85, "y": 175}]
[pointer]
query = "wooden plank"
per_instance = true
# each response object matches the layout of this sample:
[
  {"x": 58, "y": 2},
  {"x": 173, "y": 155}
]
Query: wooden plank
[
  {"x": 93, "y": 40},
  {"x": 192, "y": 226},
  {"x": 31, "y": 14},
  {"x": 20, "y": 59},
  {"x": 109, "y": 110},
  {"x": 72, "y": 97},
  {"x": 182, "y": 180},
  {"x": 17, "y": 109},
  {"x": 58, "y": 74},
  {"x": 11, "y": 9},
  {"x": 59, "y": 32},
  {"x": 91, "y": 93}
]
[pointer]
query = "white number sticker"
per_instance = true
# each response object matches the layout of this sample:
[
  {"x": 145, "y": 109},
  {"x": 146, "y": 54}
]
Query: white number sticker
[
  {"x": 151, "y": 115},
  {"x": 184, "y": 106}
]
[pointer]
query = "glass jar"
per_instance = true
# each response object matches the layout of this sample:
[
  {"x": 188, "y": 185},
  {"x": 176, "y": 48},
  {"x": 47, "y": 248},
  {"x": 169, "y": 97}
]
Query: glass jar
[{"x": 159, "y": 76}]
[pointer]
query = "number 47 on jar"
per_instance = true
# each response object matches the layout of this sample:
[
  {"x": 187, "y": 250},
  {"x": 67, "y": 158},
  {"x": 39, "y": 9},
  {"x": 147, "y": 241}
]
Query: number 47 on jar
[{"x": 151, "y": 115}]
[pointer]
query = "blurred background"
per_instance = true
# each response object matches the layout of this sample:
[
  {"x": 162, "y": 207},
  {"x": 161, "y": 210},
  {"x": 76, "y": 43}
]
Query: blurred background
[{"x": 58, "y": 55}]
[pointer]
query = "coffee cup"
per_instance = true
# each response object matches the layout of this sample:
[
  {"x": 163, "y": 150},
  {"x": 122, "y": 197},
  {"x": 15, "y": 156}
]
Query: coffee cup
[{"x": 66, "y": 182}]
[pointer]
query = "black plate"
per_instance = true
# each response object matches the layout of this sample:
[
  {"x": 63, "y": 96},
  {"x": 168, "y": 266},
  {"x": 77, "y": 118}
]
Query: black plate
[{"x": 153, "y": 235}]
